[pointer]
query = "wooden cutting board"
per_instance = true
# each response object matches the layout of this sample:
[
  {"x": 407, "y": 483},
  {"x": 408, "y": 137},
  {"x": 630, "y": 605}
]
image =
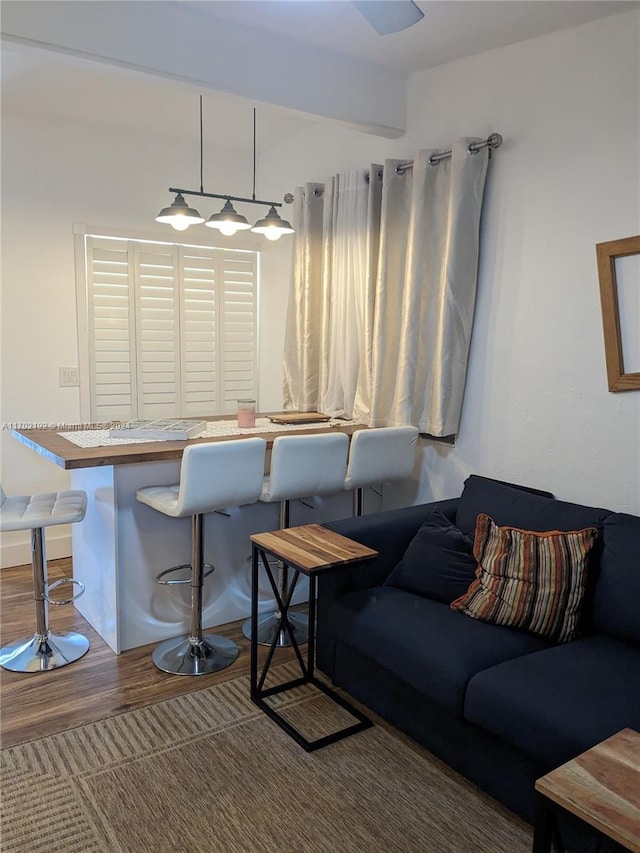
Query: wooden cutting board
[{"x": 299, "y": 418}]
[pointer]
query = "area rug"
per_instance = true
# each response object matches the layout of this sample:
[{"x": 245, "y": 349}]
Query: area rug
[{"x": 209, "y": 773}]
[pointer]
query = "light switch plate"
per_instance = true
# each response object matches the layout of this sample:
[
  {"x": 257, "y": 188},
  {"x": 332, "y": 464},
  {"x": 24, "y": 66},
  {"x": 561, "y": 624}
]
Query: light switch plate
[{"x": 69, "y": 377}]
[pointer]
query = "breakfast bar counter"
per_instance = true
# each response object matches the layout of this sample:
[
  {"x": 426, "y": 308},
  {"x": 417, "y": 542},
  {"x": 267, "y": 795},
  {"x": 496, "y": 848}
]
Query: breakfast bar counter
[
  {"x": 122, "y": 545},
  {"x": 54, "y": 446}
]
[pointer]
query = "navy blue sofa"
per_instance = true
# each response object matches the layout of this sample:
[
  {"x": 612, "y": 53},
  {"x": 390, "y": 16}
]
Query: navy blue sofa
[{"x": 500, "y": 706}]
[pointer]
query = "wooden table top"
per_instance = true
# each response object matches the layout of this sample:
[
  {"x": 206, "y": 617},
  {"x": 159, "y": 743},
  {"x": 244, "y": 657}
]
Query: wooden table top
[
  {"x": 312, "y": 548},
  {"x": 68, "y": 455},
  {"x": 602, "y": 787}
]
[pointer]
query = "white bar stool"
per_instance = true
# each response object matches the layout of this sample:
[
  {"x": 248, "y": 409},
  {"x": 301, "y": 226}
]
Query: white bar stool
[
  {"x": 379, "y": 455},
  {"x": 301, "y": 466},
  {"x": 44, "y": 650},
  {"x": 213, "y": 476}
]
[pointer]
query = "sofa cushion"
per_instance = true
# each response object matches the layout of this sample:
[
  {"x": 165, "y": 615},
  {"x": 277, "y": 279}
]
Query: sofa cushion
[
  {"x": 517, "y": 507},
  {"x": 438, "y": 563},
  {"x": 423, "y": 641},
  {"x": 616, "y": 605},
  {"x": 558, "y": 702},
  {"x": 528, "y": 580}
]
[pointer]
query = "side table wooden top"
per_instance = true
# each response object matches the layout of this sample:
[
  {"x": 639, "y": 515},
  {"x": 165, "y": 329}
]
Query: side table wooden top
[
  {"x": 602, "y": 787},
  {"x": 312, "y": 548}
]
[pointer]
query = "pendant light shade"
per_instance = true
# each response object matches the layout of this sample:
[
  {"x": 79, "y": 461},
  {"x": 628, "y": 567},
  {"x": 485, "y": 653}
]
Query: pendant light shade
[
  {"x": 272, "y": 226},
  {"x": 228, "y": 221},
  {"x": 179, "y": 215}
]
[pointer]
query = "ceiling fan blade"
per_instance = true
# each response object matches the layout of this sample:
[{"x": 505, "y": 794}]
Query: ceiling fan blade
[{"x": 389, "y": 16}]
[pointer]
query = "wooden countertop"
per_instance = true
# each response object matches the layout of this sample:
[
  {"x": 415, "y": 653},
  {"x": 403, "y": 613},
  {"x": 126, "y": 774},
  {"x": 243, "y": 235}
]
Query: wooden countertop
[{"x": 68, "y": 455}]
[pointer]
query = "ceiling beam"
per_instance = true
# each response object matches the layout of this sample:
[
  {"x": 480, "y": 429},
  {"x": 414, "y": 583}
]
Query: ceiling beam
[{"x": 181, "y": 41}]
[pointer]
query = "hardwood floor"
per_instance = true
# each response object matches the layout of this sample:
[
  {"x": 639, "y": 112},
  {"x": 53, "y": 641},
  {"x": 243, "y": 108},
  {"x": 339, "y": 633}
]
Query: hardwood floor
[{"x": 98, "y": 685}]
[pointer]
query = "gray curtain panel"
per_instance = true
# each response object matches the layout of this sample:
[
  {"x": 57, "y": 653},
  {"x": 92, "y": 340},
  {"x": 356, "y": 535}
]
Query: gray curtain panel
[{"x": 383, "y": 291}]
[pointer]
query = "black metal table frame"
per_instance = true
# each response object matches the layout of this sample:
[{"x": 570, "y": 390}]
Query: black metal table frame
[
  {"x": 258, "y": 692},
  {"x": 547, "y": 837}
]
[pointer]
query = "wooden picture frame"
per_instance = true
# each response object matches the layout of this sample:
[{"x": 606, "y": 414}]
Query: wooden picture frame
[{"x": 606, "y": 254}]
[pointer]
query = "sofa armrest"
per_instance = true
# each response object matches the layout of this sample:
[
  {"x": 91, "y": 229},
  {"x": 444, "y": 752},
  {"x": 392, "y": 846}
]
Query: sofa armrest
[{"x": 389, "y": 533}]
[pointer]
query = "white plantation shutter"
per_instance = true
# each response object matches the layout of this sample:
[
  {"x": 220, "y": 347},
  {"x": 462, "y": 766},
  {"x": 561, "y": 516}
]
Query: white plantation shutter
[
  {"x": 157, "y": 331},
  {"x": 111, "y": 332},
  {"x": 239, "y": 327},
  {"x": 172, "y": 329},
  {"x": 201, "y": 356}
]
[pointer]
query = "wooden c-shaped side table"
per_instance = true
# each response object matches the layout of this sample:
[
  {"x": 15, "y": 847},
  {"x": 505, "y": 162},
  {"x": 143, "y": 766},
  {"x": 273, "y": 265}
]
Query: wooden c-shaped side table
[
  {"x": 601, "y": 787},
  {"x": 310, "y": 550}
]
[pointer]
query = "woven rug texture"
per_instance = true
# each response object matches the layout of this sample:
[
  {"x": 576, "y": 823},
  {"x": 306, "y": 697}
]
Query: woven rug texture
[{"x": 210, "y": 773}]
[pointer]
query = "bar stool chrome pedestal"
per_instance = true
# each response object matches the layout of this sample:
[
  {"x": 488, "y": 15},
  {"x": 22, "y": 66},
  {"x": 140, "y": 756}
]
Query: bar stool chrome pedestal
[
  {"x": 213, "y": 476},
  {"x": 44, "y": 650}
]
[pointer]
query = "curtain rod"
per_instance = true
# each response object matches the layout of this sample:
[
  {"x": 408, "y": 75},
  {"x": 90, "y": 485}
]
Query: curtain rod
[{"x": 493, "y": 141}]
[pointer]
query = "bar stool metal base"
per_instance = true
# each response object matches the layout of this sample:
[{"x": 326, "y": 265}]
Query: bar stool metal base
[
  {"x": 268, "y": 629},
  {"x": 186, "y": 655},
  {"x": 43, "y": 652}
]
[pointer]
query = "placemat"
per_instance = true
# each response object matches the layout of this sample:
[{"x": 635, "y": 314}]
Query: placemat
[{"x": 215, "y": 429}]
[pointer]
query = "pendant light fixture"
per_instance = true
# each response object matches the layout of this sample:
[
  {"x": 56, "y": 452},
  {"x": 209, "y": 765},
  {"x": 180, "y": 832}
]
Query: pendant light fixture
[
  {"x": 180, "y": 216},
  {"x": 228, "y": 221},
  {"x": 272, "y": 226}
]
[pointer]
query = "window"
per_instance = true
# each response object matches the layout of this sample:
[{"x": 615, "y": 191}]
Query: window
[{"x": 170, "y": 330}]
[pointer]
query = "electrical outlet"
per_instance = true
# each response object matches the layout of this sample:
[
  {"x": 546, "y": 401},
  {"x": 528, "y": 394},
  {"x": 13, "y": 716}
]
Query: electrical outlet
[{"x": 69, "y": 377}]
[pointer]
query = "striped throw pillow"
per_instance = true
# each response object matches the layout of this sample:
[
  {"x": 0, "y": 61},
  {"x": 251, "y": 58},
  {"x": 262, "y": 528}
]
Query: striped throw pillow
[{"x": 528, "y": 580}]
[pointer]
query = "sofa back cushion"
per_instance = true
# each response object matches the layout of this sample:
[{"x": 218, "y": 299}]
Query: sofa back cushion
[
  {"x": 438, "y": 563},
  {"x": 616, "y": 604},
  {"x": 517, "y": 507}
]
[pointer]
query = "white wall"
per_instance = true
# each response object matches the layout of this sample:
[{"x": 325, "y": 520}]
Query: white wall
[
  {"x": 55, "y": 175},
  {"x": 537, "y": 409}
]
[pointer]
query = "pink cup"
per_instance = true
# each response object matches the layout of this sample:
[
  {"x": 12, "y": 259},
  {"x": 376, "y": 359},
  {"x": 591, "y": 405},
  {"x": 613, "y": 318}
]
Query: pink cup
[{"x": 246, "y": 414}]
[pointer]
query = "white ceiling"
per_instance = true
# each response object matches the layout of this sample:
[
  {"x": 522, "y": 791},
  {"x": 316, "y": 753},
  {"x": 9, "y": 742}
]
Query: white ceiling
[
  {"x": 449, "y": 30},
  {"x": 44, "y": 82}
]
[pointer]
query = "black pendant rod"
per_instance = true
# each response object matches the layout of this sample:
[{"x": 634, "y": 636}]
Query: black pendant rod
[
  {"x": 253, "y": 188},
  {"x": 252, "y": 200},
  {"x": 201, "y": 149},
  {"x": 228, "y": 197}
]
